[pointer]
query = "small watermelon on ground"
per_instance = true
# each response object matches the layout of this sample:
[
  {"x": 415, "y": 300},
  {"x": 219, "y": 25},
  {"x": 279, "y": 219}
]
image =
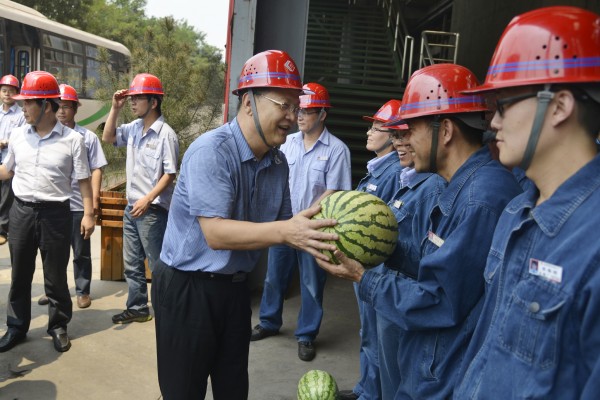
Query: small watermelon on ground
[
  {"x": 366, "y": 226},
  {"x": 317, "y": 385}
]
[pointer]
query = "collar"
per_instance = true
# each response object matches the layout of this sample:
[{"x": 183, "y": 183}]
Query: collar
[
  {"x": 553, "y": 213},
  {"x": 59, "y": 129},
  {"x": 462, "y": 175},
  {"x": 377, "y": 166},
  {"x": 155, "y": 127},
  {"x": 12, "y": 109}
]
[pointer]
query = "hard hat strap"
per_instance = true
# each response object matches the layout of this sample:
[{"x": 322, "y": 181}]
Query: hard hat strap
[
  {"x": 387, "y": 144},
  {"x": 255, "y": 116},
  {"x": 39, "y": 117},
  {"x": 544, "y": 98},
  {"x": 435, "y": 125}
]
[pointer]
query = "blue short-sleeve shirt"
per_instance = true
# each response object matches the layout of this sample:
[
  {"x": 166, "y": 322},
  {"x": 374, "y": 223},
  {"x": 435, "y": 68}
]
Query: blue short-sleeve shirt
[
  {"x": 325, "y": 166},
  {"x": 221, "y": 177},
  {"x": 150, "y": 155}
]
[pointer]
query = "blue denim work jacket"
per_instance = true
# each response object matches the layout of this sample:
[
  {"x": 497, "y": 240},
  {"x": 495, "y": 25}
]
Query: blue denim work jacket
[
  {"x": 539, "y": 335},
  {"x": 438, "y": 310},
  {"x": 412, "y": 205},
  {"x": 384, "y": 180}
]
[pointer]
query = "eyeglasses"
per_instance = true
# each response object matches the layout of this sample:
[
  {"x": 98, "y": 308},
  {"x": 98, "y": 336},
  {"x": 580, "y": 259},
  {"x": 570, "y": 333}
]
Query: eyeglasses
[
  {"x": 285, "y": 107},
  {"x": 501, "y": 104},
  {"x": 398, "y": 137},
  {"x": 137, "y": 97},
  {"x": 373, "y": 129},
  {"x": 304, "y": 112}
]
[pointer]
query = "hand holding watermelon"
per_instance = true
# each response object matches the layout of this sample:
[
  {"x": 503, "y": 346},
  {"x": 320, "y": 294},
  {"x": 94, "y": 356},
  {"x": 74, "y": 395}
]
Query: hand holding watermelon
[
  {"x": 310, "y": 235},
  {"x": 346, "y": 268},
  {"x": 366, "y": 226}
]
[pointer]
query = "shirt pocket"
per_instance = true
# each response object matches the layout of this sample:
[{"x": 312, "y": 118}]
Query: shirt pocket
[
  {"x": 150, "y": 155},
  {"x": 317, "y": 172},
  {"x": 531, "y": 326}
]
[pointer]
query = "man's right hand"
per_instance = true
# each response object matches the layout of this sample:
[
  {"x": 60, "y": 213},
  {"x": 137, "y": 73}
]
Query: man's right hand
[
  {"x": 119, "y": 98},
  {"x": 303, "y": 233}
]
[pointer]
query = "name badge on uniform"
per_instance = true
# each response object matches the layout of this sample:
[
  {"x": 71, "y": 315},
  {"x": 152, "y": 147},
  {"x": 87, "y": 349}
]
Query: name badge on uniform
[
  {"x": 398, "y": 203},
  {"x": 435, "y": 239},
  {"x": 550, "y": 272},
  {"x": 151, "y": 146},
  {"x": 371, "y": 187},
  {"x": 322, "y": 158}
]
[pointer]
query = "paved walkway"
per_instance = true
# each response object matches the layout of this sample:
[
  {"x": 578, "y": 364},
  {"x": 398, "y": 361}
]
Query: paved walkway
[{"x": 116, "y": 362}]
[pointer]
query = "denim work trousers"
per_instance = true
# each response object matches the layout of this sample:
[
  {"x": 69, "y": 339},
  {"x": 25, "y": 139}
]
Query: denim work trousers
[
  {"x": 6, "y": 200},
  {"x": 280, "y": 267},
  {"x": 142, "y": 238},
  {"x": 369, "y": 384},
  {"x": 48, "y": 230},
  {"x": 82, "y": 257},
  {"x": 202, "y": 329}
]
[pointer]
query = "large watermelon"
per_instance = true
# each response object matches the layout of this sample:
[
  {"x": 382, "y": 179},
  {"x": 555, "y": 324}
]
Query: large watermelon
[
  {"x": 366, "y": 226},
  {"x": 317, "y": 385}
]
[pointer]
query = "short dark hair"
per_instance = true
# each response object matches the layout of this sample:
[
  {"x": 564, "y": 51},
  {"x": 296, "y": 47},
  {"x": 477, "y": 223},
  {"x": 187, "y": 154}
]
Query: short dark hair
[{"x": 53, "y": 103}]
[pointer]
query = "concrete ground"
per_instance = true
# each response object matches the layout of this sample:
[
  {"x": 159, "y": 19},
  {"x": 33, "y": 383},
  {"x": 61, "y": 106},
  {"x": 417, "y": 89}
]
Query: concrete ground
[{"x": 116, "y": 362}]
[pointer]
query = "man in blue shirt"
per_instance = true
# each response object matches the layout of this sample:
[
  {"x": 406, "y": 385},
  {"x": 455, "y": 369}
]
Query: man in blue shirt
[
  {"x": 436, "y": 302},
  {"x": 319, "y": 165},
  {"x": 539, "y": 332},
  {"x": 232, "y": 199},
  {"x": 11, "y": 116},
  {"x": 152, "y": 157}
]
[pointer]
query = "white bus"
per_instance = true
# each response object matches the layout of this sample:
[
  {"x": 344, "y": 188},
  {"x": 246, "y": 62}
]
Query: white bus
[{"x": 29, "y": 41}]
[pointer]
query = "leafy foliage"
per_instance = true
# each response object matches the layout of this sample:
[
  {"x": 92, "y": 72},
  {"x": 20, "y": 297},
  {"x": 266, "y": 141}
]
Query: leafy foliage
[{"x": 191, "y": 71}]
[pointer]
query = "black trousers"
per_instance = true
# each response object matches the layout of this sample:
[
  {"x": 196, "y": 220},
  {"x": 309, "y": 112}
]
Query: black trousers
[
  {"x": 49, "y": 230},
  {"x": 203, "y": 329}
]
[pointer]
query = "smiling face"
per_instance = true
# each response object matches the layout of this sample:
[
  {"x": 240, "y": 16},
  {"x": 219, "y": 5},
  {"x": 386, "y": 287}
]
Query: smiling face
[
  {"x": 400, "y": 143},
  {"x": 277, "y": 114},
  {"x": 419, "y": 143}
]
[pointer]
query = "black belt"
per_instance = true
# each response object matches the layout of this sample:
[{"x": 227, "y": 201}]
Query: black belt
[
  {"x": 235, "y": 278},
  {"x": 38, "y": 205}
]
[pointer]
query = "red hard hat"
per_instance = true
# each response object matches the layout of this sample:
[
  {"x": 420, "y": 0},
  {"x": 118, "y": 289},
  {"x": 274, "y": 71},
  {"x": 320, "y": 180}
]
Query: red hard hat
[
  {"x": 145, "y": 84},
  {"x": 436, "y": 89},
  {"x": 38, "y": 85},
  {"x": 549, "y": 45},
  {"x": 271, "y": 68},
  {"x": 68, "y": 93},
  {"x": 9, "y": 80},
  {"x": 388, "y": 112},
  {"x": 318, "y": 97}
]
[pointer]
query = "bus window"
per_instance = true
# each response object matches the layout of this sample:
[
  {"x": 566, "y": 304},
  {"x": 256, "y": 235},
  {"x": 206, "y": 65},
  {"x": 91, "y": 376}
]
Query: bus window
[
  {"x": 23, "y": 65},
  {"x": 2, "y": 48}
]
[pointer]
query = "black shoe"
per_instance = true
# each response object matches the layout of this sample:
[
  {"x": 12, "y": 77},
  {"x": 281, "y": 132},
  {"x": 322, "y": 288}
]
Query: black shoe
[
  {"x": 259, "y": 333},
  {"x": 347, "y": 395},
  {"x": 61, "y": 341},
  {"x": 131, "y": 315},
  {"x": 10, "y": 340},
  {"x": 42, "y": 301},
  {"x": 306, "y": 351}
]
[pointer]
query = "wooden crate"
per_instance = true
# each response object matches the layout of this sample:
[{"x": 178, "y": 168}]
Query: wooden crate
[{"x": 110, "y": 219}]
